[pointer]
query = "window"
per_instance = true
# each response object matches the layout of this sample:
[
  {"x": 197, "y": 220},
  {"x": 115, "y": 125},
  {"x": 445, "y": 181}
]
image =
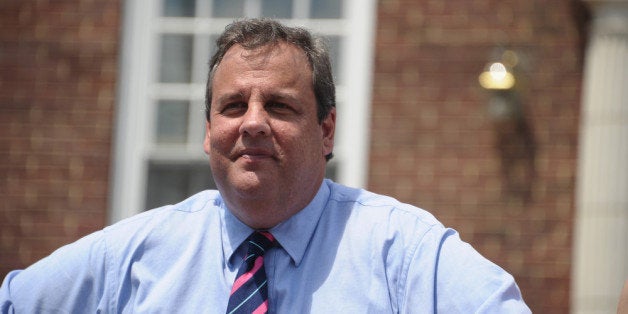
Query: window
[{"x": 160, "y": 119}]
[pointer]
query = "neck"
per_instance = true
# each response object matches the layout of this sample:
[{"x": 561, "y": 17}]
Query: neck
[{"x": 265, "y": 213}]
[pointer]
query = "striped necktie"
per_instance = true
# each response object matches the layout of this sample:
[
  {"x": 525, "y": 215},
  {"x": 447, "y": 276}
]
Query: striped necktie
[{"x": 249, "y": 293}]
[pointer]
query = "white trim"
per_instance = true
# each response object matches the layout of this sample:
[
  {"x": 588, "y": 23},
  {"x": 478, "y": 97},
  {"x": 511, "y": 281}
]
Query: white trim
[
  {"x": 199, "y": 25},
  {"x": 600, "y": 246},
  {"x": 138, "y": 90},
  {"x": 130, "y": 132},
  {"x": 300, "y": 9},
  {"x": 354, "y": 110}
]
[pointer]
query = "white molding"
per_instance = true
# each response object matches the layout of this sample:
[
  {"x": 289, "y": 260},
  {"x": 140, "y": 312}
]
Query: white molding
[
  {"x": 130, "y": 138},
  {"x": 600, "y": 249},
  {"x": 354, "y": 112},
  {"x": 138, "y": 90}
]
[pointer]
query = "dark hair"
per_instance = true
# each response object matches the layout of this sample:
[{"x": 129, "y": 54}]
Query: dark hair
[{"x": 256, "y": 33}]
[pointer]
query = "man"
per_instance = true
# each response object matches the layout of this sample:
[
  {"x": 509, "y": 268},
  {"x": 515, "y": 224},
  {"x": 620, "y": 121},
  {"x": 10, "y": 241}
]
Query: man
[{"x": 276, "y": 236}]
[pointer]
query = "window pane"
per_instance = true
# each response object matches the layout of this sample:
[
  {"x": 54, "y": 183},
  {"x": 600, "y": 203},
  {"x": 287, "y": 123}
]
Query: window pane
[
  {"x": 277, "y": 8},
  {"x": 172, "y": 121},
  {"x": 228, "y": 8},
  {"x": 172, "y": 183},
  {"x": 325, "y": 9},
  {"x": 334, "y": 45},
  {"x": 331, "y": 171},
  {"x": 179, "y": 8},
  {"x": 176, "y": 58},
  {"x": 213, "y": 46}
]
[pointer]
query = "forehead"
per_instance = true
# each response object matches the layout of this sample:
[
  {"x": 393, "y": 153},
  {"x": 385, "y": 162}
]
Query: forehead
[
  {"x": 279, "y": 56},
  {"x": 271, "y": 70}
]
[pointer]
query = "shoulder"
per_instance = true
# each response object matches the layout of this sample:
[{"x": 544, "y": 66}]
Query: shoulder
[
  {"x": 372, "y": 208},
  {"x": 82, "y": 274},
  {"x": 427, "y": 261},
  {"x": 383, "y": 223},
  {"x": 203, "y": 203},
  {"x": 164, "y": 225}
]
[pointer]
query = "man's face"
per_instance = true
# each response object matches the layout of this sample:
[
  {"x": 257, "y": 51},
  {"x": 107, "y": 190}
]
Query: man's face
[{"x": 265, "y": 144}]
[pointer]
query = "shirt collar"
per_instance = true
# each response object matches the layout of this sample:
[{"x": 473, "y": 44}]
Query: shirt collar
[
  {"x": 234, "y": 232},
  {"x": 293, "y": 234}
]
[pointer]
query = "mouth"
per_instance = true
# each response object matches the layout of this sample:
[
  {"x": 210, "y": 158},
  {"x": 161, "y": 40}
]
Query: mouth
[{"x": 254, "y": 154}]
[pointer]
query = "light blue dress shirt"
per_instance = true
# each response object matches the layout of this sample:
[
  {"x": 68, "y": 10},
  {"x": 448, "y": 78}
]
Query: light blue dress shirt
[{"x": 348, "y": 251}]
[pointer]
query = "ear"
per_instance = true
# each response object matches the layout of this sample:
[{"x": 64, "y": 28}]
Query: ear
[
  {"x": 206, "y": 142},
  {"x": 328, "y": 126}
]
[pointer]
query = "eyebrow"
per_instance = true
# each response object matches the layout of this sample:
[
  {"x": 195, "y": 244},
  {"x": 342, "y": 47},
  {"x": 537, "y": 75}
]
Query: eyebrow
[
  {"x": 281, "y": 96},
  {"x": 230, "y": 97},
  {"x": 277, "y": 96}
]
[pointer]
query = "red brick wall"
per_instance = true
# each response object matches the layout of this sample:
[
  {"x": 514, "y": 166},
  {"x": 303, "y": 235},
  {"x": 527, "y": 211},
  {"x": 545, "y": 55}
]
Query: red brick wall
[
  {"x": 434, "y": 144},
  {"x": 58, "y": 64}
]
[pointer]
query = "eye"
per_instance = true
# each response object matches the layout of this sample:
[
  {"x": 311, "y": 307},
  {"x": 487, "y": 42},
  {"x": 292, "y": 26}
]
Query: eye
[
  {"x": 233, "y": 108},
  {"x": 278, "y": 107}
]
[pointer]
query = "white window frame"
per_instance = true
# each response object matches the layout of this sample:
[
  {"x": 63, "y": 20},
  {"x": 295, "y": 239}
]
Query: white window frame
[{"x": 134, "y": 112}]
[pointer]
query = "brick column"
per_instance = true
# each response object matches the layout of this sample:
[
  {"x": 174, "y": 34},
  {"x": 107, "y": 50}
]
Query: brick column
[{"x": 601, "y": 228}]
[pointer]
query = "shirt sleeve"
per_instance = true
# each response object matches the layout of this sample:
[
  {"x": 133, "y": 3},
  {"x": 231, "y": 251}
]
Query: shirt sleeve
[
  {"x": 463, "y": 280},
  {"x": 70, "y": 280}
]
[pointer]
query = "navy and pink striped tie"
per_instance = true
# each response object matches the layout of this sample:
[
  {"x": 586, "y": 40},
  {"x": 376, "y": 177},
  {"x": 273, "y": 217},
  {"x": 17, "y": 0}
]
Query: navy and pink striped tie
[{"x": 249, "y": 293}]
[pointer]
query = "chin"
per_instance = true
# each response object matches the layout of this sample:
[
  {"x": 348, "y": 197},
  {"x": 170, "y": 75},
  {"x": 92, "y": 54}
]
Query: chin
[{"x": 249, "y": 185}]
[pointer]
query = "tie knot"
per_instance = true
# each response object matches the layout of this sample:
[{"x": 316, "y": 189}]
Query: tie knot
[{"x": 259, "y": 242}]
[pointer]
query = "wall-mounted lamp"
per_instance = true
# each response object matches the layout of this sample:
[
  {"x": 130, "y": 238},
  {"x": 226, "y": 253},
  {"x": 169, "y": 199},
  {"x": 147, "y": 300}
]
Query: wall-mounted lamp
[
  {"x": 499, "y": 79},
  {"x": 514, "y": 138},
  {"x": 499, "y": 74}
]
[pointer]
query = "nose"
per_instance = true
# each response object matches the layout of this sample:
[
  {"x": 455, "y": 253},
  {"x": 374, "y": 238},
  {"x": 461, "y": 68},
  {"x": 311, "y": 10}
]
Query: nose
[{"x": 255, "y": 121}]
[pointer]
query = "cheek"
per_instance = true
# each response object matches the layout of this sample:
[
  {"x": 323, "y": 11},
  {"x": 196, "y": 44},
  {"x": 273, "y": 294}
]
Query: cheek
[
  {"x": 220, "y": 141},
  {"x": 223, "y": 133},
  {"x": 305, "y": 144}
]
